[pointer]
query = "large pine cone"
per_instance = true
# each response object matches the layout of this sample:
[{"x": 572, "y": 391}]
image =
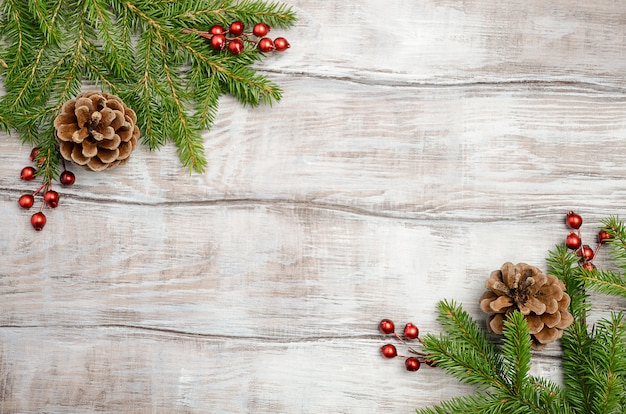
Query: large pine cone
[
  {"x": 96, "y": 130},
  {"x": 540, "y": 298}
]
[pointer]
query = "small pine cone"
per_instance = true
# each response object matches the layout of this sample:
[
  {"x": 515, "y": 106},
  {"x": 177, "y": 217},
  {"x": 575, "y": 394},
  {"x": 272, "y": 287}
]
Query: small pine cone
[
  {"x": 540, "y": 298},
  {"x": 96, "y": 130}
]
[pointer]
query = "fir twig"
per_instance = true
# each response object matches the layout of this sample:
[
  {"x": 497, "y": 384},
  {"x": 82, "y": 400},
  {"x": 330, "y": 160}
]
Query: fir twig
[{"x": 466, "y": 353}]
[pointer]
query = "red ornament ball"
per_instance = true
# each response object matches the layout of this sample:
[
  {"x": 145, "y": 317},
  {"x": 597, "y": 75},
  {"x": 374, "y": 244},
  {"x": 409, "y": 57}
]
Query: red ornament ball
[
  {"x": 266, "y": 45},
  {"x": 28, "y": 173},
  {"x": 51, "y": 198},
  {"x": 430, "y": 362},
  {"x": 33, "y": 153},
  {"x": 388, "y": 351},
  {"x": 38, "y": 221},
  {"x": 236, "y": 28},
  {"x": 260, "y": 29},
  {"x": 280, "y": 43},
  {"x": 67, "y": 178},
  {"x": 216, "y": 29},
  {"x": 572, "y": 241},
  {"x": 411, "y": 331},
  {"x": 587, "y": 252},
  {"x": 235, "y": 47},
  {"x": 386, "y": 326},
  {"x": 604, "y": 236},
  {"x": 218, "y": 42},
  {"x": 588, "y": 266},
  {"x": 412, "y": 364},
  {"x": 573, "y": 220},
  {"x": 26, "y": 201}
]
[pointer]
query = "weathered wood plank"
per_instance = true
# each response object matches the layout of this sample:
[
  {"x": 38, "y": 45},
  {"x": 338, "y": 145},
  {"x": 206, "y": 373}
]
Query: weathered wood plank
[
  {"x": 400, "y": 151},
  {"x": 452, "y": 41},
  {"x": 308, "y": 272}
]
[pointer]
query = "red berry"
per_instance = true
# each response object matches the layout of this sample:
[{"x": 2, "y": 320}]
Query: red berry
[
  {"x": 216, "y": 29},
  {"x": 412, "y": 364},
  {"x": 572, "y": 241},
  {"x": 28, "y": 173},
  {"x": 411, "y": 331},
  {"x": 388, "y": 351},
  {"x": 33, "y": 153},
  {"x": 266, "y": 45},
  {"x": 218, "y": 42},
  {"x": 430, "y": 362},
  {"x": 386, "y": 326},
  {"x": 260, "y": 29},
  {"x": 235, "y": 46},
  {"x": 51, "y": 198},
  {"x": 38, "y": 220},
  {"x": 26, "y": 201},
  {"x": 280, "y": 43},
  {"x": 589, "y": 266},
  {"x": 587, "y": 252},
  {"x": 236, "y": 28},
  {"x": 573, "y": 220},
  {"x": 67, "y": 178},
  {"x": 604, "y": 236}
]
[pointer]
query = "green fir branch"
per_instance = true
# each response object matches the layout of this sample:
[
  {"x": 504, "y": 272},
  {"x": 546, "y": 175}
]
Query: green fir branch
[
  {"x": 578, "y": 366},
  {"x": 562, "y": 264},
  {"x": 609, "y": 375},
  {"x": 605, "y": 281},
  {"x": 466, "y": 352},
  {"x": 138, "y": 50},
  {"x": 516, "y": 350},
  {"x": 476, "y": 404}
]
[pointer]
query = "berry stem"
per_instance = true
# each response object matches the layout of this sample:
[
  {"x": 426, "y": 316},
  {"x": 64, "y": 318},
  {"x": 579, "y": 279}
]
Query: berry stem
[
  {"x": 410, "y": 348},
  {"x": 39, "y": 189},
  {"x": 597, "y": 250}
]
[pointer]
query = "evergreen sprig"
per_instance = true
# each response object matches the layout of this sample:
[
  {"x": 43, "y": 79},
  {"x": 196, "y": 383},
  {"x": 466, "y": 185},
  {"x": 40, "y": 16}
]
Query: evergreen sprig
[
  {"x": 467, "y": 353},
  {"x": 594, "y": 357},
  {"x": 611, "y": 282},
  {"x": 136, "y": 49}
]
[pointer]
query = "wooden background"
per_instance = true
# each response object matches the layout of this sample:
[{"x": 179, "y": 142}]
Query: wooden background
[{"x": 420, "y": 144}]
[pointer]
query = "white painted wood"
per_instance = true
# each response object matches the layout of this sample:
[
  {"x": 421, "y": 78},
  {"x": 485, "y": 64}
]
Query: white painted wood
[{"x": 419, "y": 145}]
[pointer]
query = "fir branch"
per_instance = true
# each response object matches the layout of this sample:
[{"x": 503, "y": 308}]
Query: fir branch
[
  {"x": 604, "y": 281},
  {"x": 466, "y": 353},
  {"x": 461, "y": 327},
  {"x": 476, "y": 403},
  {"x": 562, "y": 264},
  {"x": 609, "y": 354},
  {"x": 516, "y": 350},
  {"x": 578, "y": 366},
  {"x": 616, "y": 228}
]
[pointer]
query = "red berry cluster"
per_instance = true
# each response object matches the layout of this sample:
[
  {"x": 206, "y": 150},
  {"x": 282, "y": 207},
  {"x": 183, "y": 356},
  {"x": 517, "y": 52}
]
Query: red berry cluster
[
  {"x": 411, "y": 332},
  {"x": 574, "y": 241},
  {"x": 234, "y": 39},
  {"x": 50, "y": 197}
]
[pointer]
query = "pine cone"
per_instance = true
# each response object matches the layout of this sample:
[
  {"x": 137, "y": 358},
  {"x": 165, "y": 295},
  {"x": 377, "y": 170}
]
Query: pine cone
[
  {"x": 96, "y": 130},
  {"x": 541, "y": 298}
]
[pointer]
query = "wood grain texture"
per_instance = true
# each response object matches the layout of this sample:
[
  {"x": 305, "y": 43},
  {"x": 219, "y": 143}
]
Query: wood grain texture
[{"x": 419, "y": 145}]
